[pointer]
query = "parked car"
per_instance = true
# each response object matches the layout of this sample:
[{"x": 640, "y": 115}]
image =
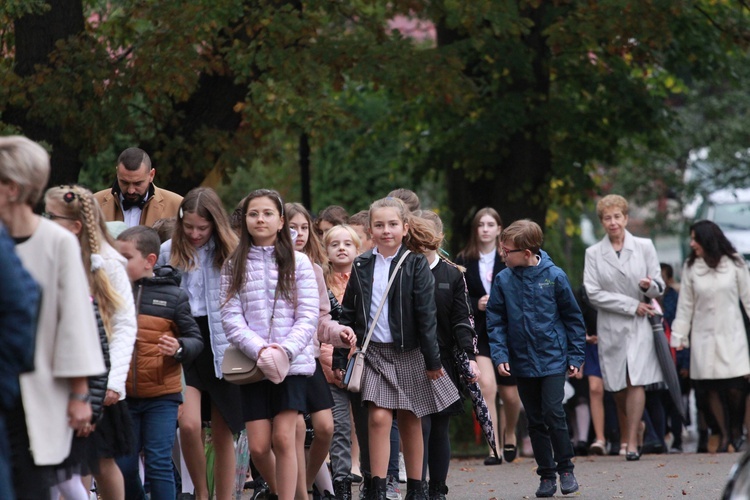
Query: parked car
[{"x": 730, "y": 210}]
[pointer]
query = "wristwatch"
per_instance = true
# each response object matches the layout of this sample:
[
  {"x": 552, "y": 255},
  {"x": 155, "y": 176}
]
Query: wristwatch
[
  {"x": 178, "y": 353},
  {"x": 83, "y": 398}
]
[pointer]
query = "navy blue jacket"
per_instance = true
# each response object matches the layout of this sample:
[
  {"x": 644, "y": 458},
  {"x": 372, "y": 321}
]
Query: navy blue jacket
[
  {"x": 19, "y": 304},
  {"x": 534, "y": 322}
]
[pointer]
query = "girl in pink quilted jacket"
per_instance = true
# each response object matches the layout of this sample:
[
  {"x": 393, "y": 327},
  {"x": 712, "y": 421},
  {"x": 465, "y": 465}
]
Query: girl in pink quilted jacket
[{"x": 270, "y": 307}]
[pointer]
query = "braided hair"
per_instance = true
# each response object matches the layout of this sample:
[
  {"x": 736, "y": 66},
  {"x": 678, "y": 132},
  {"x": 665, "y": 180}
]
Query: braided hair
[{"x": 77, "y": 204}]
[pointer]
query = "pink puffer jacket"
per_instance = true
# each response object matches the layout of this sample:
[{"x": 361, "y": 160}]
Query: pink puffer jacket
[{"x": 246, "y": 316}]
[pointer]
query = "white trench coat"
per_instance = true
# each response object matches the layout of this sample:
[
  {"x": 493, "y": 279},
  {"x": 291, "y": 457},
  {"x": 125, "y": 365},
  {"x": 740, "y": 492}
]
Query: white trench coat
[
  {"x": 709, "y": 305},
  {"x": 625, "y": 340}
]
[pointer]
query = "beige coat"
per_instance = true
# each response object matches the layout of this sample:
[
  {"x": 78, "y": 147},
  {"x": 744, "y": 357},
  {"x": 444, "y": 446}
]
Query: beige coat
[
  {"x": 709, "y": 319},
  {"x": 626, "y": 341},
  {"x": 67, "y": 340},
  {"x": 163, "y": 204}
]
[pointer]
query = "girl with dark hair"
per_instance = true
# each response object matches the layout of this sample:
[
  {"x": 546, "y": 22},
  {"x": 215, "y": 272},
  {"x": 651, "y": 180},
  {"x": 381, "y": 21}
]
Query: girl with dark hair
[
  {"x": 201, "y": 243},
  {"x": 482, "y": 260},
  {"x": 270, "y": 311},
  {"x": 715, "y": 284}
]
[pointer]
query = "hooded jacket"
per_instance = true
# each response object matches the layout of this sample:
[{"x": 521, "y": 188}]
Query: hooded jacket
[
  {"x": 163, "y": 309},
  {"x": 534, "y": 322},
  {"x": 411, "y": 304}
]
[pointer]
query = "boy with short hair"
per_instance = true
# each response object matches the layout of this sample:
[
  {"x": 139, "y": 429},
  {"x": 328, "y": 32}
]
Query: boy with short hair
[
  {"x": 536, "y": 330},
  {"x": 167, "y": 336},
  {"x": 360, "y": 222}
]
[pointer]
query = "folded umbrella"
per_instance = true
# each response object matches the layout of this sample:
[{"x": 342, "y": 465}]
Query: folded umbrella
[
  {"x": 666, "y": 362},
  {"x": 477, "y": 400}
]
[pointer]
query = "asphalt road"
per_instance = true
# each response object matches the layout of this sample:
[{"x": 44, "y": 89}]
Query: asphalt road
[
  {"x": 653, "y": 477},
  {"x": 688, "y": 475}
]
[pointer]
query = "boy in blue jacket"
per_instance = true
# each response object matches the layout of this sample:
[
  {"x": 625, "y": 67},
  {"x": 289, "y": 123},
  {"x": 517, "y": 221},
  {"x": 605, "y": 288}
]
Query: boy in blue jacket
[{"x": 536, "y": 330}]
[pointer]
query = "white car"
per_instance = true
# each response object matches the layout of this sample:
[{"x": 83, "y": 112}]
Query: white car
[{"x": 730, "y": 210}]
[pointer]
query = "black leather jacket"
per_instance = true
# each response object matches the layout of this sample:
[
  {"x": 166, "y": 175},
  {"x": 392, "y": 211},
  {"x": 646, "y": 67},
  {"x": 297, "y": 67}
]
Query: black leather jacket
[{"x": 411, "y": 304}]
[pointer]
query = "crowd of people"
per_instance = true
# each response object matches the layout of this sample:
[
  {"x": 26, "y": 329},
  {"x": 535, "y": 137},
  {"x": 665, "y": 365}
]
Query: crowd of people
[{"x": 122, "y": 312}]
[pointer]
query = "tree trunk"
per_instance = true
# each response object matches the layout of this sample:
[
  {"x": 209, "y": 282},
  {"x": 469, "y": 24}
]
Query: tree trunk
[
  {"x": 516, "y": 185},
  {"x": 35, "y": 38}
]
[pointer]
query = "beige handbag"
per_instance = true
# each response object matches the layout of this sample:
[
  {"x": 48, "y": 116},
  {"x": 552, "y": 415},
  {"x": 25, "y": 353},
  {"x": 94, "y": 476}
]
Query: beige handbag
[
  {"x": 356, "y": 365},
  {"x": 238, "y": 368}
]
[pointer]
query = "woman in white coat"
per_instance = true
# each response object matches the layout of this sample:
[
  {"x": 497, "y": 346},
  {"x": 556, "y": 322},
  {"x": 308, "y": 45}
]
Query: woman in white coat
[
  {"x": 715, "y": 281},
  {"x": 54, "y": 403},
  {"x": 619, "y": 271}
]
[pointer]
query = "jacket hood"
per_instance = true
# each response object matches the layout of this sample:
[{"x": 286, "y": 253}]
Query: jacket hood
[
  {"x": 163, "y": 275},
  {"x": 530, "y": 272}
]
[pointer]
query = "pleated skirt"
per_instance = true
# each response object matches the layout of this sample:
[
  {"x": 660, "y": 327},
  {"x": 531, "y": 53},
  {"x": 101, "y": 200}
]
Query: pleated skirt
[{"x": 398, "y": 380}]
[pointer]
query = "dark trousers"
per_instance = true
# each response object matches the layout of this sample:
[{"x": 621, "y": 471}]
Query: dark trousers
[{"x": 548, "y": 430}]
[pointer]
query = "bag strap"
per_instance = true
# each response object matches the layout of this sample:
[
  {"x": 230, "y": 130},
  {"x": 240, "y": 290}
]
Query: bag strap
[{"x": 382, "y": 302}]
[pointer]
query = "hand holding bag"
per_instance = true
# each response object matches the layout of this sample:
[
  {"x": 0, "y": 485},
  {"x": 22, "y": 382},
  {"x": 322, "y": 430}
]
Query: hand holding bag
[
  {"x": 238, "y": 368},
  {"x": 356, "y": 365}
]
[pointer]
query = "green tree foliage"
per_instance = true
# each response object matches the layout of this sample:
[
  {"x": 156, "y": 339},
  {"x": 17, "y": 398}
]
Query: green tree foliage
[{"x": 519, "y": 105}]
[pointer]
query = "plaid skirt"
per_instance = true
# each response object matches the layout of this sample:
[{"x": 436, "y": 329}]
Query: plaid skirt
[{"x": 398, "y": 381}]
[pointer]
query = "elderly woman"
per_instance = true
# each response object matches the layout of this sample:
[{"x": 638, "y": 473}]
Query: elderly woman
[
  {"x": 619, "y": 271},
  {"x": 54, "y": 402},
  {"x": 715, "y": 284}
]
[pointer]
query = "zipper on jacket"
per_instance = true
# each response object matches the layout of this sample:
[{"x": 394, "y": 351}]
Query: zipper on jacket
[
  {"x": 138, "y": 298},
  {"x": 367, "y": 319}
]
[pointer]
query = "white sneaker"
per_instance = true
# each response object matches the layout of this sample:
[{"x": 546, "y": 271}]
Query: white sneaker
[
  {"x": 392, "y": 491},
  {"x": 401, "y": 468}
]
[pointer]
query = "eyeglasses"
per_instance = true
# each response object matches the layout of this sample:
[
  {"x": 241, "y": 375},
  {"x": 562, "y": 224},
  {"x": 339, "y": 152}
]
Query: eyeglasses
[
  {"x": 507, "y": 251},
  {"x": 50, "y": 216}
]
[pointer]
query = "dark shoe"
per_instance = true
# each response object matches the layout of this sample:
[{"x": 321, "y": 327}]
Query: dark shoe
[
  {"x": 510, "y": 451},
  {"x": 378, "y": 489},
  {"x": 437, "y": 491},
  {"x": 568, "y": 483},
  {"x": 356, "y": 478},
  {"x": 343, "y": 489},
  {"x": 261, "y": 489},
  {"x": 632, "y": 456},
  {"x": 547, "y": 488},
  {"x": 414, "y": 490},
  {"x": 493, "y": 460}
]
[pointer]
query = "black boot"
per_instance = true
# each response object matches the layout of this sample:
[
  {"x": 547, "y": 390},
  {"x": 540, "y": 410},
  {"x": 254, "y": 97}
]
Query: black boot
[
  {"x": 378, "y": 489},
  {"x": 343, "y": 489},
  {"x": 365, "y": 486},
  {"x": 414, "y": 490},
  {"x": 437, "y": 491}
]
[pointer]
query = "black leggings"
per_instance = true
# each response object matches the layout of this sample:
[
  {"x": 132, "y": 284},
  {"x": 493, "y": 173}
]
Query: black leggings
[
  {"x": 724, "y": 400},
  {"x": 437, "y": 447}
]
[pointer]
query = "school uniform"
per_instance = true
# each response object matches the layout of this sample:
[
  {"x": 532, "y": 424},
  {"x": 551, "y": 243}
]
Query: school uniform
[
  {"x": 246, "y": 318},
  {"x": 404, "y": 341}
]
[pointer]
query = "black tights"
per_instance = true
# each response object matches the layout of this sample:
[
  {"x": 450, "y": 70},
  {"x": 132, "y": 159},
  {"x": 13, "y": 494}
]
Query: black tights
[
  {"x": 724, "y": 400},
  {"x": 437, "y": 447}
]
